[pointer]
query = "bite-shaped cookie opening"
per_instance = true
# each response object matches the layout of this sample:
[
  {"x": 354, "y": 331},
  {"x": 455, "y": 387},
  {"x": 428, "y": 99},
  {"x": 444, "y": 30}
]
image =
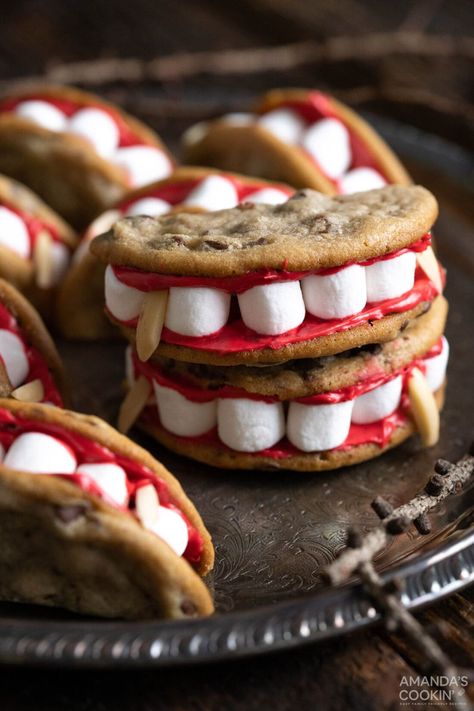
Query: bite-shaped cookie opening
[{"x": 306, "y": 138}]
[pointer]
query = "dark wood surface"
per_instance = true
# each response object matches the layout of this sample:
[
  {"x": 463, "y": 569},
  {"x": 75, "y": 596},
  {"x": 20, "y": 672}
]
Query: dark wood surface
[{"x": 420, "y": 72}]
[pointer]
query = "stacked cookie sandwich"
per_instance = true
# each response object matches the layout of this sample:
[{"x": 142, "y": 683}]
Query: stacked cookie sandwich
[{"x": 305, "y": 335}]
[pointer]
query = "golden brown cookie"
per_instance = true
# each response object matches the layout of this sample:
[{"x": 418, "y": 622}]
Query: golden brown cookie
[
  {"x": 31, "y": 366},
  {"x": 78, "y": 152},
  {"x": 80, "y": 304},
  {"x": 302, "y": 415},
  {"x": 313, "y": 276},
  {"x": 75, "y": 539},
  {"x": 302, "y": 137}
]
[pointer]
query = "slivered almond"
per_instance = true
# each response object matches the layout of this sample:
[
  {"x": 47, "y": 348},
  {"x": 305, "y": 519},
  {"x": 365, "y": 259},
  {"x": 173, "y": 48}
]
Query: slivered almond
[
  {"x": 43, "y": 259},
  {"x": 423, "y": 408},
  {"x": 428, "y": 262},
  {"x": 29, "y": 392},
  {"x": 150, "y": 323},
  {"x": 133, "y": 404},
  {"x": 147, "y": 505}
]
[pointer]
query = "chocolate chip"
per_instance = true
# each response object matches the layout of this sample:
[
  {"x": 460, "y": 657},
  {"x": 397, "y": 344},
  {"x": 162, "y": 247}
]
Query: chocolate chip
[
  {"x": 435, "y": 485},
  {"x": 442, "y": 467},
  {"x": 255, "y": 243},
  {"x": 188, "y": 608},
  {"x": 404, "y": 325},
  {"x": 423, "y": 524},
  {"x": 381, "y": 507},
  {"x": 71, "y": 512},
  {"x": 246, "y": 206},
  {"x": 398, "y": 525},
  {"x": 215, "y": 244},
  {"x": 354, "y": 538},
  {"x": 177, "y": 240}
]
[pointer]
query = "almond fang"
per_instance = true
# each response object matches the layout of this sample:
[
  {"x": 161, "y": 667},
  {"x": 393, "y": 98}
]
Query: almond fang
[
  {"x": 147, "y": 505},
  {"x": 429, "y": 264},
  {"x": 133, "y": 404},
  {"x": 43, "y": 259},
  {"x": 423, "y": 408},
  {"x": 29, "y": 392},
  {"x": 150, "y": 323}
]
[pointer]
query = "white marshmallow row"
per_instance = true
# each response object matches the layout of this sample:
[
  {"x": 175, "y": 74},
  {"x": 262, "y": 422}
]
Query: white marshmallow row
[
  {"x": 40, "y": 453},
  {"x": 272, "y": 309},
  {"x": 143, "y": 164},
  {"x": 254, "y": 425},
  {"x": 14, "y": 235},
  {"x": 327, "y": 141}
]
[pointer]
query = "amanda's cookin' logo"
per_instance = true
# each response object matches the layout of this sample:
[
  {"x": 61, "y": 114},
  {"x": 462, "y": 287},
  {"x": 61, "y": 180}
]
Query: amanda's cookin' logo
[{"x": 436, "y": 690}]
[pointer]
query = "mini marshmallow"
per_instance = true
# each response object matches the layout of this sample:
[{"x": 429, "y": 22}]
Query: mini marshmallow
[
  {"x": 97, "y": 127},
  {"x": 13, "y": 233},
  {"x": 273, "y": 308},
  {"x": 213, "y": 193},
  {"x": 110, "y": 477},
  {"x": 250, "y": 425},
  {"x": 268, "y": 196},
  {"x": 144, "y": 164},
  {"x": 285, "y": 124},
  {"x": 124, "y": 302},
  {"x": 360, "y": 180},
  {"x": 101, "y": 224},
  {"x": 61, "y": 257},
  {"x": 328, "y": 142},
  {"x": 377, "y": 403},
  {"x": 171, "y": 527},
  {"x": 315, "y": 428},
  {"x": 389, "y": 278},
  {"x": 238, "y": 118},
  {"x": 335, "y": 295},
  {"x": 181, "y": 416},
  {"x": 150, "y": 206},
  {"x": 13, "y": 355},
  {"x": 196, "y": 311},
  {"x": 43, "y": 114},
  {"x": 195, "y": 133},
  {"x": 40, "y": 453},
  {"x": 435, "y": 372}
]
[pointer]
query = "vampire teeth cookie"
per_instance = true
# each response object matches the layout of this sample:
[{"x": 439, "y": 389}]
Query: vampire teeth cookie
[
  {"x": 78, "y": 152},
  {"x": 35, "y": 243},
  {"x": 262, "y": 284},
  {"x": 93, "y": 523},
  {"x": 80, "y": 306},
  {"x": 305, "y": 138},
  {"x": 306, "y": 415},
  {"x": 30, "y": 367}
]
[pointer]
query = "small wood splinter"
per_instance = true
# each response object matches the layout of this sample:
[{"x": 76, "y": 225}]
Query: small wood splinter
[
  {"x": 150, "y": 323},
  {"x": 147, "y": 505},
  {"x": 423, "y": 408},
  {"x": 29, "y": 392},
  {"x": 43, "y": 260},
  {"x": 428, "y": 262},
  {"x": 133, "y": 404}
]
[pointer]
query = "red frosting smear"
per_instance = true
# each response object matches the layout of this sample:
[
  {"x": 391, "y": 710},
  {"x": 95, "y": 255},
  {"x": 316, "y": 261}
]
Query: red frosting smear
[
  {"x": 88, "y": 451},
  {"x": 126, "y": 136},
  {"x": 38, "y": 366},
  {"x": 34, "y": 225},
  {"x": 150, "y": 281},
  {"x": 318, "y": 106},
  {"x": 176, "y": 381},
  {"x": 378, "y": 433},
  {"x": 176, "y": 193}
]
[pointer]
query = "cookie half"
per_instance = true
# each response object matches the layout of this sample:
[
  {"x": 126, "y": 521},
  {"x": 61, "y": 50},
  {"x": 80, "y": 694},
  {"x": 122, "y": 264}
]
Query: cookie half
[
  {"x": 305, "y": 415},
  {"x": 91, "y": 522},
  {"x": 78, "y": 152},
  {"x": 262, "y": 284},
  {"x": 30, "y": 366},
  {"x": 302, "y": 137},
  {"x": 80, "y": 306}
]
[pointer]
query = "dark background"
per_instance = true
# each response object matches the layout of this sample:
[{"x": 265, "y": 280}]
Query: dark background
[{"x": 411, "y": 61}]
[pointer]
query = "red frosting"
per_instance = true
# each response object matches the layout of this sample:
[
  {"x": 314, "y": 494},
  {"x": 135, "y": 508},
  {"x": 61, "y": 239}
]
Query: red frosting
[
  {"x": 88, "y": 451},
  {"x": 38, "y": 366},
  {"x": 34, "y": 224},
  {"x": 126, "y": 135},
  {"x": 176, "y": 193},
  {"x": 317, "y": 106}
]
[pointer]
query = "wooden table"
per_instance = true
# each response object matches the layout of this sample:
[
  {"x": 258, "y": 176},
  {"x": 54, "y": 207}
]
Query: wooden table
[{"x": 408, "y": 74}]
